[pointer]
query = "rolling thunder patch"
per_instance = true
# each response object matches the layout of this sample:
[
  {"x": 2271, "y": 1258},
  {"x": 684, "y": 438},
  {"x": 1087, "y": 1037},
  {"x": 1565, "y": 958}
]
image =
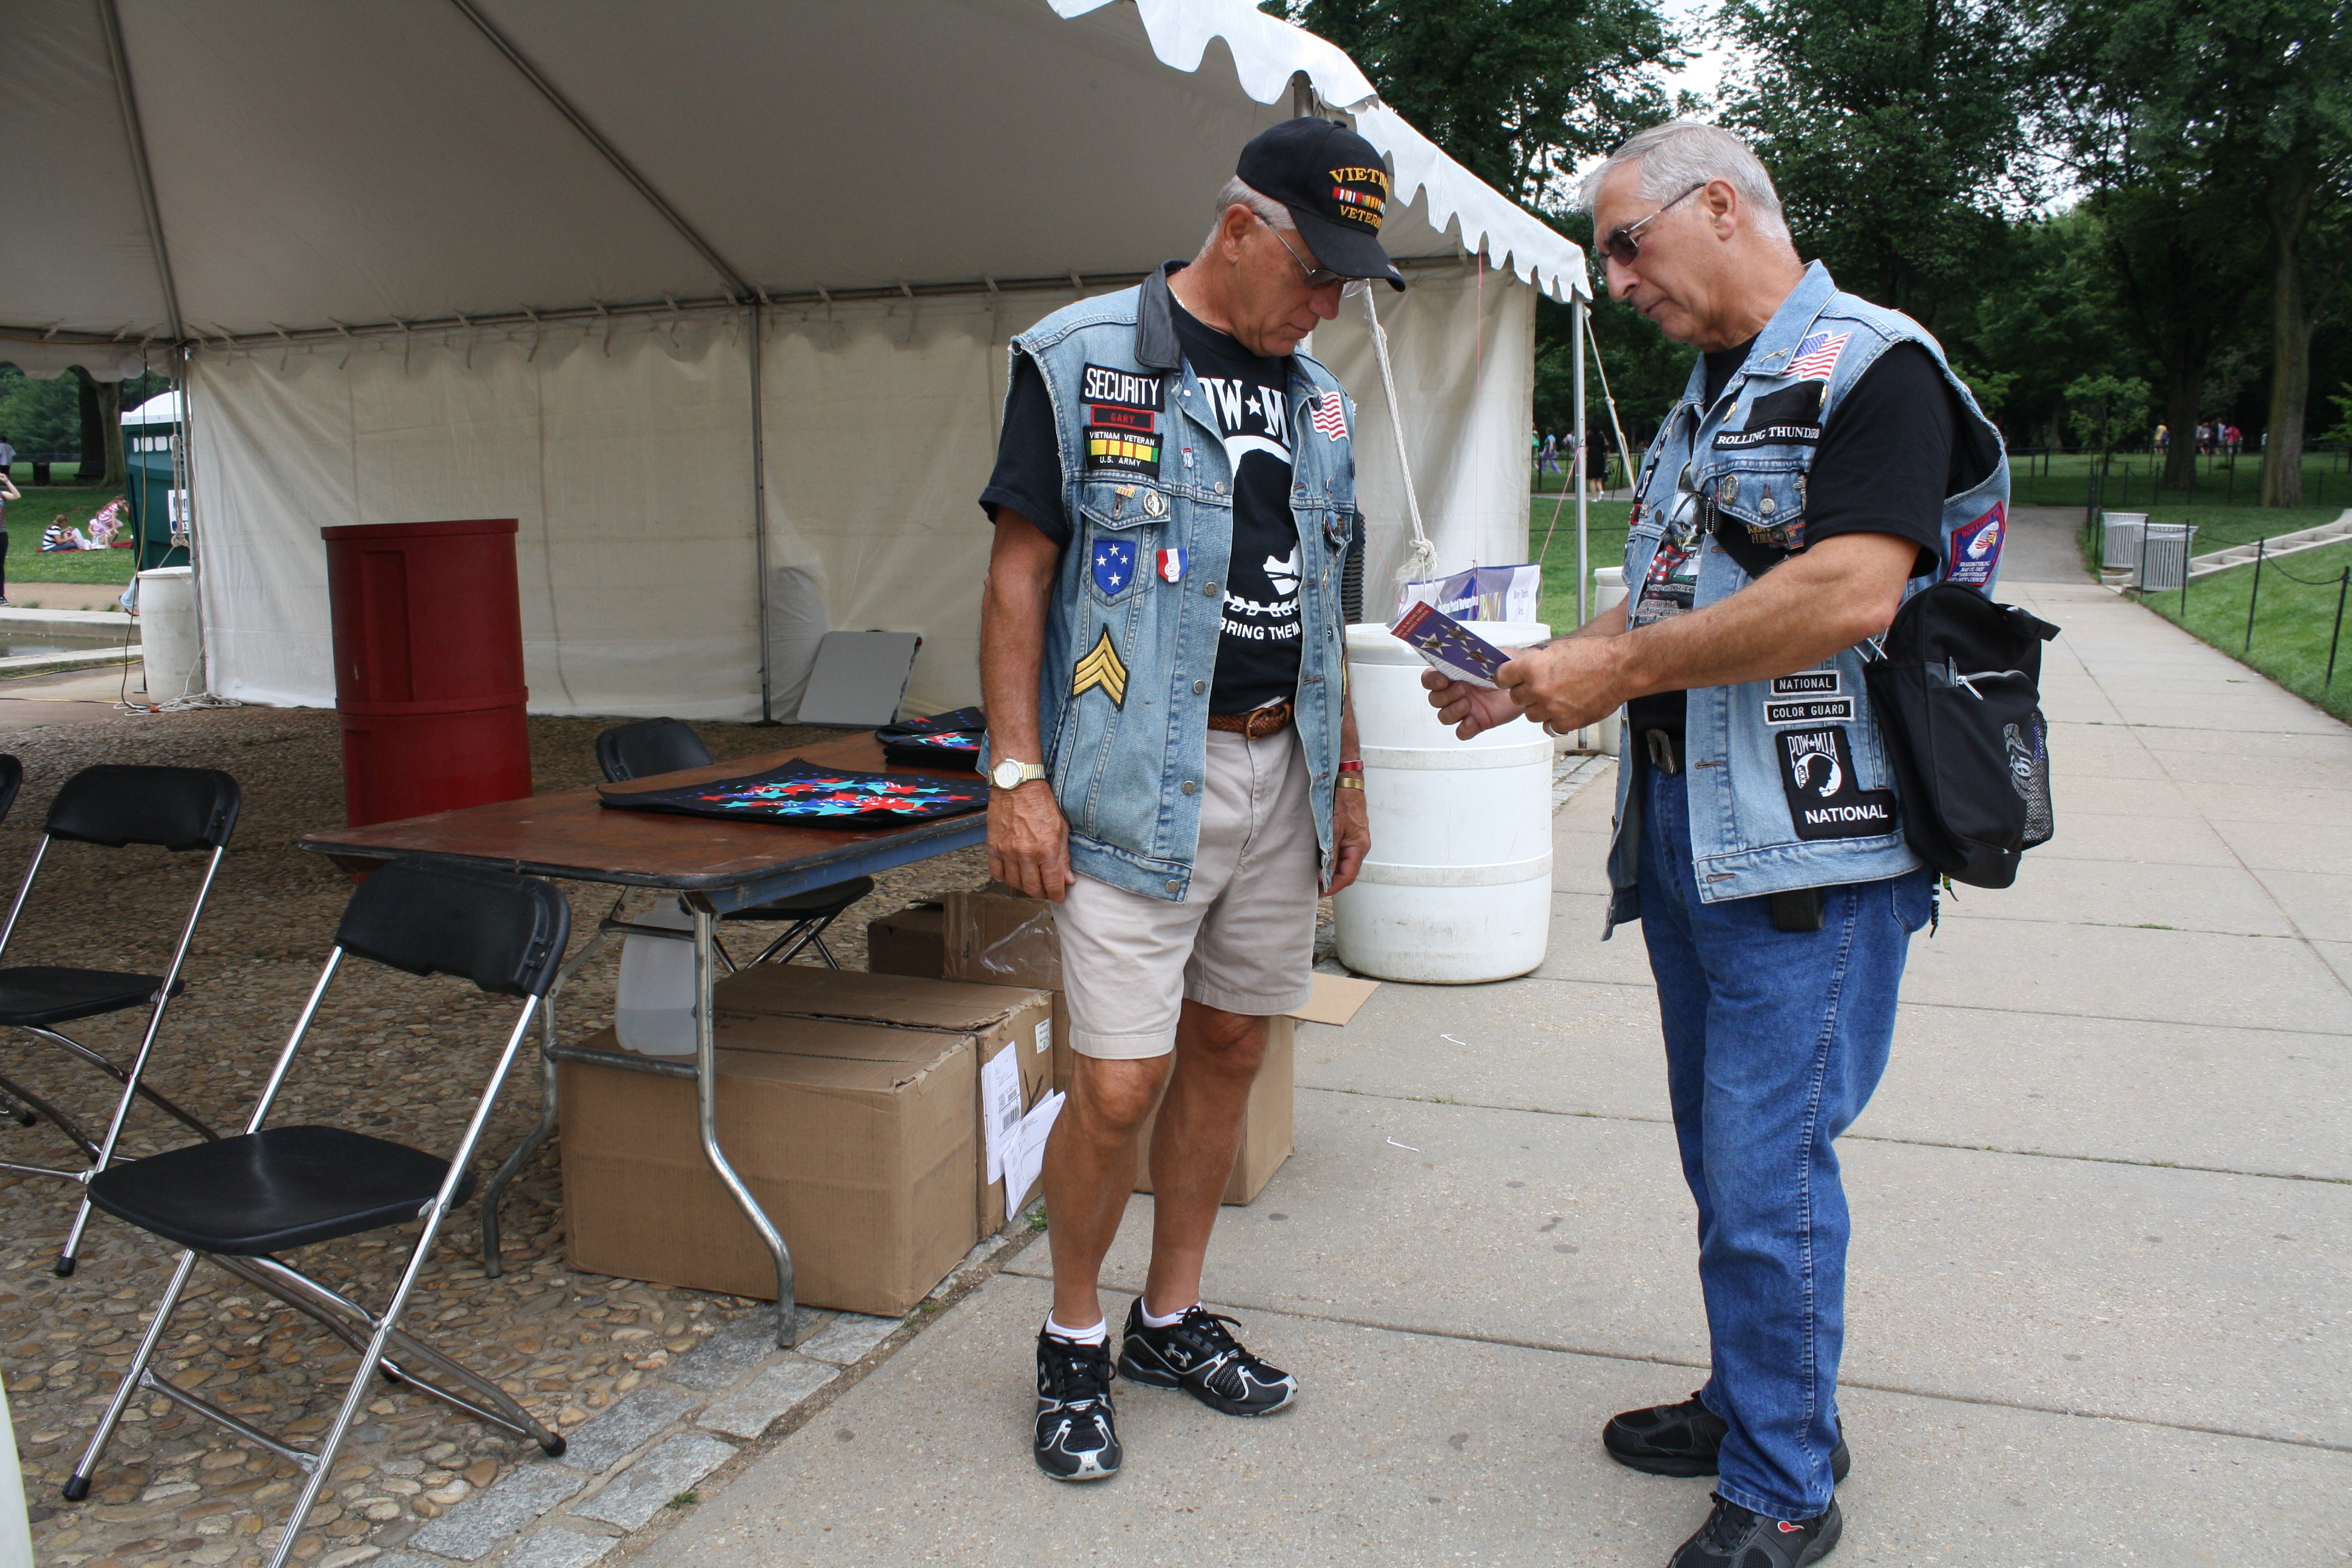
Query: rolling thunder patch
[{"x": 1825, "y": 800}]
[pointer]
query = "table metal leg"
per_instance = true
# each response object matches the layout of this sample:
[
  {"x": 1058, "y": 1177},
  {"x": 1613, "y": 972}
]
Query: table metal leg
[
  {"x": 495, "y": 1188},
  {"x": 706, "y": 1089}
]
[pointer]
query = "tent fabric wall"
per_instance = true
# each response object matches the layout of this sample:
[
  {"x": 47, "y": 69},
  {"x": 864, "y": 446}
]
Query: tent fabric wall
[{"x": 623, "y": 452}]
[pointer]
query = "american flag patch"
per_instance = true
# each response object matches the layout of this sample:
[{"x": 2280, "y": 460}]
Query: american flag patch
[
  {"x": 1817, "y": 356},
  {"x": 1332, "y": 419}
]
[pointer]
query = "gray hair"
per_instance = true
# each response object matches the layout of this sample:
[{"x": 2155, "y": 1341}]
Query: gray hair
[
  {"x": 1266, "y": 207},
  {"x": 1680, "y": 154}
]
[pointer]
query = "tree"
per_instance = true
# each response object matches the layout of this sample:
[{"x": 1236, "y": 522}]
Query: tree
[
  {"x": 2212, "y": 129},
  {"x": 1896, "y": 131},
  {"x": 102, "y": 429}
]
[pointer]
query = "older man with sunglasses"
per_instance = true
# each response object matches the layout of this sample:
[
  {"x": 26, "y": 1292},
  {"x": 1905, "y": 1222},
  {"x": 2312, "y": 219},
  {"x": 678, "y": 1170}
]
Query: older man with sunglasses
[
  {"x": 1822, "y": 462},
  {"x": 1173, "y": 754}
]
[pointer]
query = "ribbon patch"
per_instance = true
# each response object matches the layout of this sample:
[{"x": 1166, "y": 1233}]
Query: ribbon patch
[
  {"x": 1102, "y": 668},
  {"x": 1824, "y": 801},
  {"x": 1171, "y": 565}
]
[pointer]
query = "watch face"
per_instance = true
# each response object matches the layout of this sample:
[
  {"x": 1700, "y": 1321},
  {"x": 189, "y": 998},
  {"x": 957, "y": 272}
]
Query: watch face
[{"x": 1006, "y": 774}]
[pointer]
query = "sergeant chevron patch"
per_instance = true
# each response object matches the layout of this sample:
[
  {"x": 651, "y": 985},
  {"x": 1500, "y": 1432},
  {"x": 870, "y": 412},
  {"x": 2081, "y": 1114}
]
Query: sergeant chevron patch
[{"x": 1103, "y": 667}]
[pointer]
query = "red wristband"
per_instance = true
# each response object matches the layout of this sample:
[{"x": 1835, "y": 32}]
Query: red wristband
[{"x": 1352, "y": 765}]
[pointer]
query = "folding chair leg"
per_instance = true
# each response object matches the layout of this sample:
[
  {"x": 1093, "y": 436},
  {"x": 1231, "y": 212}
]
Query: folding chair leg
[
  {"x": 795, "y": 938},
  {"x": 77, "y": 1485},
  {"x": 154, "y": 1097},
  {"x": 65, "y": 1124},
  {"x": 495, "y": 1188},
  {"x": 20, "y": 1115}
]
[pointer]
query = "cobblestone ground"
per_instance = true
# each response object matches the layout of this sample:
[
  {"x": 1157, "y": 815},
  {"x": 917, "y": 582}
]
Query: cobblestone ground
[{"x": 396, "y": 1057}]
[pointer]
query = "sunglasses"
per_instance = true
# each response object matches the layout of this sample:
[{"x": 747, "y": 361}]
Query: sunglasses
[
  {"x": 1323, "y": 277},
  {"x": 1623, "y": 248}
]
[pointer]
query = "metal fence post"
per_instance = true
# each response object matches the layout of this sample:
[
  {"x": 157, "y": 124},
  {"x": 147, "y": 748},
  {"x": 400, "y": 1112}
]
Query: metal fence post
[
  {"x": 2342, "y": 584},
  {"x": 2254, "y": 596}
]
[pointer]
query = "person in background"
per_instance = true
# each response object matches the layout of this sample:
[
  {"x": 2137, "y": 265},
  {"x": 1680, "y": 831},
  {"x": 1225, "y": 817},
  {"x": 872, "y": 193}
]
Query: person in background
[
  {"x": 1822, "y": 460},
  {"x": 2163, "y": 440},
  {"x": 8, "y": 492},
  {"x": 1550, "y": 464},
  {"x": 1596, "y": 460},
  {"x": 7, "y": 455}
]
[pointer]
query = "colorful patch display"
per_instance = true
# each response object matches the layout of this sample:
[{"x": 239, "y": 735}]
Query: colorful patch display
[
  {"x": 1362, "y": 195},
  {"x": 1976, "y": 548},
  {"x": 943, "y": 741},
  {"x": 1824, "y": 799},
  {"x": 1102, "y": 668},
  {"x": 1817, "y": 356},
  {"x": 1122, "y": 425},
  {"x": 809, "y": 796}
]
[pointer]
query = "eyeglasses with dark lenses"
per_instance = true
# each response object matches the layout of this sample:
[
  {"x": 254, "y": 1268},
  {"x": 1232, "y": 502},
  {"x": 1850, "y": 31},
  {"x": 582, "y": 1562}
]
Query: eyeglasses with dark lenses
[
  {"x": 1623, "y": 249},
  {"x": 1317, "y": 276}
]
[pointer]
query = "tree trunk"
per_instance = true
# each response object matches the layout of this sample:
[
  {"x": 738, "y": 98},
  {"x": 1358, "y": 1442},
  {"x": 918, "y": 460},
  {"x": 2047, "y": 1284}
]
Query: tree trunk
[
  {"x": 2182, "y": 384},
  {"x": 101, "y": 430},
  {"x": 2290, "y": 346}
]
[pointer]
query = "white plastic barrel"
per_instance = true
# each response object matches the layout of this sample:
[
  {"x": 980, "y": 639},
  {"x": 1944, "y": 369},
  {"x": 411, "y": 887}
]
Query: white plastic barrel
[
  {"x": 167, "y": 632},
  {"x": 1608, "y": 593},
  {"x": 2120, "y": 537},
  {"x": 1457, "y": 889}
]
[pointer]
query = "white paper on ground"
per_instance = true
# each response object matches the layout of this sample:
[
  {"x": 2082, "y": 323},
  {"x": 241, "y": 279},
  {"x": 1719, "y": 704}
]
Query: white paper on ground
[
  {"x": 999, "y": 1093},
  {"x": 1027, "y": 1157}
]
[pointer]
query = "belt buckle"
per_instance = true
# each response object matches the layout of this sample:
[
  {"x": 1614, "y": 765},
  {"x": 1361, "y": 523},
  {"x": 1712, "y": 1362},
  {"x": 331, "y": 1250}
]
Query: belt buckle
[
  {"x": 1265, "y": 722},
  {"x": 1662, "y": 750}
]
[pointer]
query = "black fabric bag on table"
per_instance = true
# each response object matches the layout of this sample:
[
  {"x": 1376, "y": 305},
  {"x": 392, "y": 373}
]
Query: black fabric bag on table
[
  {"x": 943, "y": 741},
  {"x": 1956, "y": 684}
]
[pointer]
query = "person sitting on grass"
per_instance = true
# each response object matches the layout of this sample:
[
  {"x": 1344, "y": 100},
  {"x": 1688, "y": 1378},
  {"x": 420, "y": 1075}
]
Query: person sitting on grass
[{"x": 58, "y": 536}]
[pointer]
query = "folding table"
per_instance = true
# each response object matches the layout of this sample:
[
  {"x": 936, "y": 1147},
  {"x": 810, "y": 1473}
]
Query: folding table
[{"x": 714, "y": 864}]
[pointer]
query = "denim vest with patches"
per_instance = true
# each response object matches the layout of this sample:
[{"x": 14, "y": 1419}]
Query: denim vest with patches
[
  {"x": 1788, "y": 778},
  {"x": 1130, "y": 656}
]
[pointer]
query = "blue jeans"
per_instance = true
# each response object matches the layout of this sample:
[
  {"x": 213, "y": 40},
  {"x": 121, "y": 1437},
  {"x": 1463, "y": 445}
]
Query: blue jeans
[{"x": 1774, "y": 1043}]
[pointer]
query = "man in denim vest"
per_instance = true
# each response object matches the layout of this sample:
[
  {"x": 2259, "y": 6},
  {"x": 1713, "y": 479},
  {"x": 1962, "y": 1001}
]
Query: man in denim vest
[
  {"x": 1822, "y": 463},
  {"x": 1170, "y": 744}
]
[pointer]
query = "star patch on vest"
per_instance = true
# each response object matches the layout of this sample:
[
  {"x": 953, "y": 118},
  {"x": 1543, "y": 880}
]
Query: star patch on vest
[
  {"x": 1102, "y": 666},
  {"x": 1114, "y": 566},
  {"x": 1824, "y": 800}
]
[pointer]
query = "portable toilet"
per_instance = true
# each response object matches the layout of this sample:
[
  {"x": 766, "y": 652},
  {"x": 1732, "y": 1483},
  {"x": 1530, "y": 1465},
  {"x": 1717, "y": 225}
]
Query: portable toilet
[{"x": 159, "y": 509}]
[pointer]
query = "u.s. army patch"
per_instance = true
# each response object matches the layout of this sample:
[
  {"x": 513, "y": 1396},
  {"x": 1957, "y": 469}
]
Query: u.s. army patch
[{"x": 1101, "y": 667}]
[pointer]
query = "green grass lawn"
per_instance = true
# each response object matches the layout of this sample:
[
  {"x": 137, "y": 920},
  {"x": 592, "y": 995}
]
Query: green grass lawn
[
  {"x": 1605, "y": 542},
  {"x": 2063, "y": 480},
  {"x": 2293, "y": 620},
  {"x": 40, "y": 507}
]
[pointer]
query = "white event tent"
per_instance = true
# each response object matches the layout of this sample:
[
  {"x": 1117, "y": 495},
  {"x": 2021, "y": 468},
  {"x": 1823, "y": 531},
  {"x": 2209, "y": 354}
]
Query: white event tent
[{"x": 713, "y": 296}]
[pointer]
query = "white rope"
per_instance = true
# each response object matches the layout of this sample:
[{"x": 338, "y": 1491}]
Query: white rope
[{"x": 1420, "y": 562}]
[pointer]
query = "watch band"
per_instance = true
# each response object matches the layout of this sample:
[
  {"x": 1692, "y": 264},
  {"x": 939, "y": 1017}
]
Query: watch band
[{"x": 1351, "y": 781}]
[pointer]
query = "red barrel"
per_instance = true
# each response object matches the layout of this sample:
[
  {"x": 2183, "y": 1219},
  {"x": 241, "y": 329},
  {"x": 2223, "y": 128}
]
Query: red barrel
[{"x": 428, "y": 666}]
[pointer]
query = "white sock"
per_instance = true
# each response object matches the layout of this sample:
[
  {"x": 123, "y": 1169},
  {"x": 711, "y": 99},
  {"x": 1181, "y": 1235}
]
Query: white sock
[
  {"x": 1152, "y": 1319},
  {"x": 1099, "y": 1334}
]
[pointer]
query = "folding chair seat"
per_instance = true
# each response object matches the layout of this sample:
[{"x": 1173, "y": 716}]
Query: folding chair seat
[
  {"x": 175, "y": 809},
  {"x": 652, "y": 746},
  {"x": 239, "y": 1202}
]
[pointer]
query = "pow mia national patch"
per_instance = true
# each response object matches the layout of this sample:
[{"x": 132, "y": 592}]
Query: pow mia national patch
[{"x": 1825, "y": 800}]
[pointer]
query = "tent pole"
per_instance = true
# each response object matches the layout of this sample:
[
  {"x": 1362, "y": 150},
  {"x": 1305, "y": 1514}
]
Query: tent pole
[
  {"x": 1576, "y": 468},
  {"x": 133, "y": 132},
  {"x": 759, "y": 508}
]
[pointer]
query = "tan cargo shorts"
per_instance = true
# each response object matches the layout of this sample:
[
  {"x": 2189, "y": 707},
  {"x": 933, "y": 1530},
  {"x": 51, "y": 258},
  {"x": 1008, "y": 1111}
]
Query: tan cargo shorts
[{"x": 1243, "y": 938}]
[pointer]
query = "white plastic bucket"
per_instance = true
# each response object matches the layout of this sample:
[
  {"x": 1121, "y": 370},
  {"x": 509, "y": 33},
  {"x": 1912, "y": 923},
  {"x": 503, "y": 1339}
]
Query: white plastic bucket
[
  {"x": 1457, "y": 889},
  {"x": 167, "y": 632}
]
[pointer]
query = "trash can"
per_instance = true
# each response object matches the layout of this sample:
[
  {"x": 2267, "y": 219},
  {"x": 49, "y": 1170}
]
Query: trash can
[
  {"x": 428, "y": 666},
  {"x": 1458, "y": 888},
  {"x": 167, "y": 633},
  {"x": 2119, "y": 548},
  {"x": 2163, "y": 558}
]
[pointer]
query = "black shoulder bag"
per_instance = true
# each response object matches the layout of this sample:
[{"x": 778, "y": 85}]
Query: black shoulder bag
[{"x": 1956, "y": 684}]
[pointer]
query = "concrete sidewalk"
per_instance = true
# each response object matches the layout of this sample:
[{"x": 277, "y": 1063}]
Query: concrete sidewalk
[{"x": 2100, "y": 1308}]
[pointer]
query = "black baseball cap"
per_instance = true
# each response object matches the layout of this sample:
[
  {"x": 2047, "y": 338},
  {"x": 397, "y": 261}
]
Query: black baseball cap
[{"x": 1335, "y": 187}]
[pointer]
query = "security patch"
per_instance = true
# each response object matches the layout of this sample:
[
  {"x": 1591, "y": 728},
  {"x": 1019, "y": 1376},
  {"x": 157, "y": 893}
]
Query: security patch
[
  {"x": 1811, "y": 710},
  {"x": 1101, "y": 668},
  {"x": 1122, "y": 425},
  {"x": 1824, "y": 799},
  {"x": 1790, "y": 417}
]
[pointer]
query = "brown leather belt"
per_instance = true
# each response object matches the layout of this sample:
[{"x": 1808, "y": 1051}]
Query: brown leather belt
[{"x": 1257, "y": 723}]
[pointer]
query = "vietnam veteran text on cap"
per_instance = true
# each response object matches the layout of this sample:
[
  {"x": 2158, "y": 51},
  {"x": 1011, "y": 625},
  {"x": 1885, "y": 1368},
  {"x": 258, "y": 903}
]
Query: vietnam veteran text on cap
[{"x": 1335, "y": 187}]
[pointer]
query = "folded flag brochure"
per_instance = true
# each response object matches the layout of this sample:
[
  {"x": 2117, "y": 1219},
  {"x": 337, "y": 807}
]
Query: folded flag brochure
[{"x": 1448, "y": 645}]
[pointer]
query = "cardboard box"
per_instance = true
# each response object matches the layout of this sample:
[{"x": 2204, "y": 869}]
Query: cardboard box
[
  {"x": 908, "y": 942},
  {"x": 1010, "y": 939},
  {"x": 999, "y": 1018},
  {"x": 856, "y": 1139}
]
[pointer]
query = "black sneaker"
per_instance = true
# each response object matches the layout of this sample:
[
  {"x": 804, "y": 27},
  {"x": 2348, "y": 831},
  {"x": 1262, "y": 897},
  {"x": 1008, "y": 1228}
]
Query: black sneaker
[
  {"x": 1683, "y": 1440},
  {"x": 1733, "y": 1537},
  {"x": 1195, "y": 1354},
  {"x": 1077, "y": 1439}
]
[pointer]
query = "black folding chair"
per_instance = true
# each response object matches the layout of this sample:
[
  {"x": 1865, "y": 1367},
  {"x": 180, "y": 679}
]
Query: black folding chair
[
  {"x": 240, "y": 1201},
  {"x": 177, "y": 809},
  {"x": 652, "y": 746}
]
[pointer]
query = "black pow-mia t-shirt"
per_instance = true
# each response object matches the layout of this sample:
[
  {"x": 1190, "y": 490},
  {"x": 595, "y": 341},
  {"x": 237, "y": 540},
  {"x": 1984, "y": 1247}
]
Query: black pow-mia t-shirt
[
  {"x": 1897, "y": 445},
  {"x": 1248, "y": 403}
]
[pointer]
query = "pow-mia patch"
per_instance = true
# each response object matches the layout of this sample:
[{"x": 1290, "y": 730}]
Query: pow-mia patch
[
  {"x": 1790, "y": 417},
  {"x": 1114, "y": 566},
  {"x": 1806, "y": 683},
  {"x": 1824, "y": 799},
  {"x": 1101, "y": 667},
  {"x": 1810, "y": 711}
]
